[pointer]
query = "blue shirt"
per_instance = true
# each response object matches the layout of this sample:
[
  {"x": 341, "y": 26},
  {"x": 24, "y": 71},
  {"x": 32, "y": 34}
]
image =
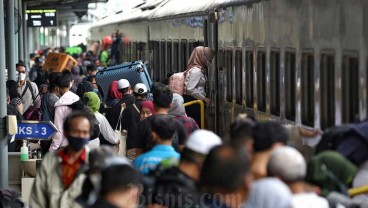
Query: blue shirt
[{"x": 150, "y": 160}]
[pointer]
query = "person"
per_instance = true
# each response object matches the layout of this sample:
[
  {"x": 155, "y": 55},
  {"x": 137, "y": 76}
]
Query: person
[
  {"x": 27, "y": 90},
  {"x": 292, "y": 173},
  {"x": 131, "y": 116},
  {"x": 36, "y": 73},
  {"x": 62, "y": 110},
  {"x": 91, "y": 70},
  {"x": 96, "y": 87},
  {"x": 241, "y": 134},
  {"x": 196, "y": 79},
  {"x": 59, "y": 180},
  {"x": 126, "y": 99},
  {"x": 76, "y": 75},
  {"x": 182, "y": 182},
  {"x": 83, "y": 87},
  {"x": 268, "y": 135},
  {"x": 269, "y": 193},
  {"x": 331, "y": 171},
  {"x": 14, "y": 96},
  {"x": 93, "y": 104},
  {"x": 226, "y": 177},
  {"x": 122, "y": 191},
  {"x": 163, "y": 129},
  {"x": 113, "y": 94},
  {"x": 147, "y": 109},
  {"x": 13, "y": 146},
  {"x": 177, "y": 111},
  {"x": 50, "y": 98},
  {"x": 162, "y": 97}
]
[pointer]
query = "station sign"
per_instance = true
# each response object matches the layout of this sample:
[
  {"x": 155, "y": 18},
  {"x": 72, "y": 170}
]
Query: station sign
[
  {"x": 41, "y": 18},
  {"x": 42, "y": 130}
]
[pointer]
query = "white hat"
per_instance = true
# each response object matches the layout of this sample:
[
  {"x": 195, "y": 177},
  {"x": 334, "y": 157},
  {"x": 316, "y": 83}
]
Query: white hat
[
  {"x": 202, "y": 141},
  {"x": 140, "y": 88},
  {"x": 123, "y": 83}
]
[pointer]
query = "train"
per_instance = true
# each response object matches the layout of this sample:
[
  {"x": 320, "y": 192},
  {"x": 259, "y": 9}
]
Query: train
[{"x": 299, "y": 62}]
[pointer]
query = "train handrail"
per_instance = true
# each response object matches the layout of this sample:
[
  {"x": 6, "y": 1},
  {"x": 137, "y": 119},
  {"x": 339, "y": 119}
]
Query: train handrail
[
  {"x": 201, "y": 104},
  {"x": 358, "y": 190}
]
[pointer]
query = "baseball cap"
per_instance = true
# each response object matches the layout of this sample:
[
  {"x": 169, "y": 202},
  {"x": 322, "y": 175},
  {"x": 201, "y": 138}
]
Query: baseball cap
[
  {"x": 202, "y": 141},
  {"x": 123, "y": 83},
  {"x": 140, "y": 88}
]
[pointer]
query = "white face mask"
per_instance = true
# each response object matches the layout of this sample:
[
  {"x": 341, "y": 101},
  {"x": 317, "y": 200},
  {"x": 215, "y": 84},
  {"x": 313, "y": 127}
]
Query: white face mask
[{"x": 22, "y": 76}]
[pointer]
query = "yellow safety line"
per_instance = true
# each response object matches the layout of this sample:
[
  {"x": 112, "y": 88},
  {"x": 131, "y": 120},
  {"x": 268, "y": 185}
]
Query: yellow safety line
[
  {"x": 201, "y": 104},
  {"x": 358, "y": 191}
]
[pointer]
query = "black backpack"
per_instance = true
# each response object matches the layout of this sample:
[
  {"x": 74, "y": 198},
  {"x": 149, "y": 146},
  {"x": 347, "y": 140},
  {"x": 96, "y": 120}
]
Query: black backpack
[{"x": 79, "y": 106}]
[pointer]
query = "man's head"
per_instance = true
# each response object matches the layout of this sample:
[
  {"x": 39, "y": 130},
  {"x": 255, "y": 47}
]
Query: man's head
[
  {"x": 226, "y": 170},
  {"x": 162, "y": 96},
  {"x": 267, "y": 135},
  {"x": 287, "y": 164},
  {"x": 21, "y": 69},
  {"x": 78, "y": 130},
  {"x": 124, "y": 86},
  {"x": 63, "y": 83},
  {"x": 91, "y": 70},
  {"x": 241, "y": 134},
  {"x": 163, "y": 128},
  {"x": 52, "y": 80},
  {"x": 140, "y": 90}
]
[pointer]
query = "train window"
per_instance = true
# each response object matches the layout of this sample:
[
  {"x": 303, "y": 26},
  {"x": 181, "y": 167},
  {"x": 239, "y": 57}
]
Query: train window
[
  {"x": 229, "y": 75},
  {"x": 290, "y": 84},
  {"x": 307, "y": 89},
  {"x": 350, "y": 87},
  {"x": 327, "y": 89},
  {"x": 133, "y": 51},
  {"x": 275, "y": 82},
  {"x": 261, "y": 81},
  {"x": 168, "y": 57},
  {"x": 155, "y": 46},
  {"x": 141, "y": 55},
  {"x": 249, "y": 64},
  {"x": 162, "y": 61},
  {"x": 192, "y": 45},
  {"x": 183, "y": 54},
  {"x": 176, "y": 57},
  {"x": 239, "y": 76}
]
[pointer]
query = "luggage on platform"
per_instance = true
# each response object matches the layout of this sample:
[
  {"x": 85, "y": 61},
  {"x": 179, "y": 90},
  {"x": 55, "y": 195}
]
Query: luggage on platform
[
  {"x": 134, "y": 72},
  {"x": 58, "y": 62}
]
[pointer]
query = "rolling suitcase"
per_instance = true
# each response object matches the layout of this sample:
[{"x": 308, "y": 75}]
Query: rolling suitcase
[{"x": 134, "y": 72}]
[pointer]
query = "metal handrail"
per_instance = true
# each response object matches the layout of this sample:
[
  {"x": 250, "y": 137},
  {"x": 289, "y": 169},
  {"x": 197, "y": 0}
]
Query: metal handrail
[
  {"x": 358, "y": 190},
  {"x": 201, "y": 104}
]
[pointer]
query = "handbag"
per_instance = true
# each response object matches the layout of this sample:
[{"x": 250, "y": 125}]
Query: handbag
[
  {"x": 32, "y": 113},
  {"x": 121, "y": 135}
]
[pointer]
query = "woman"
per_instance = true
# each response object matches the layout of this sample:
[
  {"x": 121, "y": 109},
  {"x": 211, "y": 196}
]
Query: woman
[
  {"x": 113, "y": 95},
  {"x": 146, "y": 110},
  {"x": 15, "y": 99},
  {"x": 196, "y": 79},
  {"x": 93, "y": 104}
]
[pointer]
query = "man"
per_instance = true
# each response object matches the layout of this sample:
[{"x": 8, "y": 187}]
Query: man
[
  {"x": 119, "y": 187},
  {"x": 27, "y": 90},
  {"x": 91, "y": 70},
  {"x": 62, "y": 110},
  {"x": 37, "y": 74},
  {"x": 268, "y": 135},
  {"x": 50, "y": 98},
  {"x": 162, "y": 98},
  {"x": 287, "y": 164},
  {"x": 163, "y": 129},
  {"x": 59, "y": 180},
  {"x": 226, "y": 177},
  {"x": 241, "y": 134},
  {"x": 131, "y": 117},
  {"x": 181, "y": 182},
  {"x": 11, "y": 110}
]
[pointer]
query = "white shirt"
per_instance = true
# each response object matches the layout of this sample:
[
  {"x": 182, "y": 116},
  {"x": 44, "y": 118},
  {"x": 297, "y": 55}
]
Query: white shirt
[
  {"x": 195, "y": 83},
  {"x": 309, "y": 200}
]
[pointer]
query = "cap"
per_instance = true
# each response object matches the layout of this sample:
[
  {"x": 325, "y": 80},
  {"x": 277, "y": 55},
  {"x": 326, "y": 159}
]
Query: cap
[
  {"x": 202, "y": 141},
  {"x": 140, "y": 88},
  {"x": 123, "y": 83}
]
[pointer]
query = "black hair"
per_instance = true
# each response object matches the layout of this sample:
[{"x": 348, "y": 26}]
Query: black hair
[
  {"x": 76, "y": 114},
  {"x": 20, "y": 64},
  {"x": 241, "y": 130},
  {"x": 118, "y": 178},
  {"x": 267, "y": 133},
  {"x": 164, "y": 126},
  {"x": 63, "y": 81},
  {"x": 91, "y": 78},
  {"x": 68, "y": 74},
  {"x": 12, "y": 86},
  {"x": 224, "y": 168},
  {"x": 162, "y": 95},
  {"x": 124, "y": 90},
  {"x": 91, "y": 67},
  {"x": 52, "y": 79},
  {"x": 84, "y": 87}
]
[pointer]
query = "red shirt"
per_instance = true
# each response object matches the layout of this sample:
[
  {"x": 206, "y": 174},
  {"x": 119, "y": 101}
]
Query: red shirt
[{"x": 68, "y": 170}]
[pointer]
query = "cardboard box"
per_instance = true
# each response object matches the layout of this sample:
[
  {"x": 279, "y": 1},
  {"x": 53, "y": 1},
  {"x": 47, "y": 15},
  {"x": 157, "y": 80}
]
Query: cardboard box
[{"x": 58, "y": 62}]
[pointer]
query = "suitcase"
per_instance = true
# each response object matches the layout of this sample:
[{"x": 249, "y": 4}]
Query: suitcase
[{"x": 134, "y": 72}]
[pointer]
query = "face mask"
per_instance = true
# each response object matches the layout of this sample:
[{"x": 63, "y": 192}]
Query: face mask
[
  {"x": 95, "y": 90},
  {"x": 77, "y": 143},
  {"x": 22, "y": 76}
]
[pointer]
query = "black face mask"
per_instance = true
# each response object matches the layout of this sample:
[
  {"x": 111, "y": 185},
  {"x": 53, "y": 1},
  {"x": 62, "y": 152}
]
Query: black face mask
[{"x": 77, "y": 143}]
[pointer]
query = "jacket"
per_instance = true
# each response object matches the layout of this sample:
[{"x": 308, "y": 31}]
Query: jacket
[
  {"x": 48, "y": 188},
  {"x": 195, "y": 83},
  {"x": 62, "y": 110}
]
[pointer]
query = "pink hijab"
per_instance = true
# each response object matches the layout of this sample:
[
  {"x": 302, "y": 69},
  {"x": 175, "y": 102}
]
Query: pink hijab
[{"x": 113, "y": 91}]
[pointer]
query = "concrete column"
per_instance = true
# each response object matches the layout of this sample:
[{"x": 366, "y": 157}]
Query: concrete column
[
  {"x": 10, "y": 42},
  {"x": 20, "y": 33}
]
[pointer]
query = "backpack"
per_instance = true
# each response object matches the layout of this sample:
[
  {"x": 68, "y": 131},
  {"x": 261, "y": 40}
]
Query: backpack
[
  {"x": 176, "y": 83},
  {"x": 79, "y": 106},
  {"x": 350, "y": 140}
]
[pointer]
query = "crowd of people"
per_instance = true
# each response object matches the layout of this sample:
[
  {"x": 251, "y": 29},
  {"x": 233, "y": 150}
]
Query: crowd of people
[{"x": 165, "y": 160}]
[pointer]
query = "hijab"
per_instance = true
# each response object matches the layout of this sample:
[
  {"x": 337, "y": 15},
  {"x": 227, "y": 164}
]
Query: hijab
[
  {"x": 113, "y": 91},
  {"x": 199, "y": 58},
  {"x": 148, "y": 105},
  {"x": 93, "y": 101},
  {"x": 177, "y": 108}
]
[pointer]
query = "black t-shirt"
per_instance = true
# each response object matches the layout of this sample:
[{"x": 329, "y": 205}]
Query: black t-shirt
[
  {"x": 130, "y": 121},
  {"x": 128, "y": 100},
  {"x": 144, "y": 135}
]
